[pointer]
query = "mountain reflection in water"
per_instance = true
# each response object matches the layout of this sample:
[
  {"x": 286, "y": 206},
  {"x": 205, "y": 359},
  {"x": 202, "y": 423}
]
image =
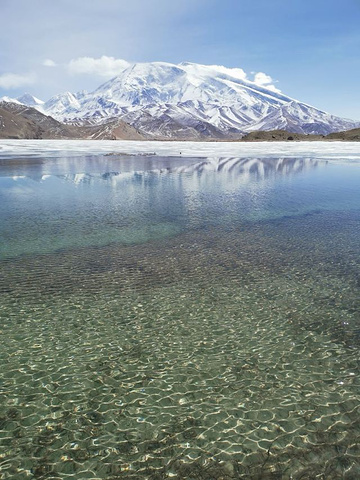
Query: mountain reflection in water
[{"x": 244, "y": 169}]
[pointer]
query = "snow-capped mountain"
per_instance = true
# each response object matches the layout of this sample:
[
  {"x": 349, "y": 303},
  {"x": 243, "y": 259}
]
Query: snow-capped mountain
[
  {"x": 163, "y": 100},
  {"x": 30, "y": 100}
]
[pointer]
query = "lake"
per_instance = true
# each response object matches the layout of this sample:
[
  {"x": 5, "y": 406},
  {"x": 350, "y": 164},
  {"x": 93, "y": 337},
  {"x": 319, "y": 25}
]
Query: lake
[{"x": 188, "y": 315}]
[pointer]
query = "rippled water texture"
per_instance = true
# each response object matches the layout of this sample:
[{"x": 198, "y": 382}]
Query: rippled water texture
[{"x": 178, "y": 318}]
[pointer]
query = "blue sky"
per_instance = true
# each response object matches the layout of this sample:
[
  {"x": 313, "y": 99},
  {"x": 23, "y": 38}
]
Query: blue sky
[{"x": 311, "y": 49}]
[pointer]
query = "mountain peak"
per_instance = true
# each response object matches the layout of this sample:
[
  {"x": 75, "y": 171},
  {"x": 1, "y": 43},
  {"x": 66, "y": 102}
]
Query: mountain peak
[{"x": 30, "y": 100}]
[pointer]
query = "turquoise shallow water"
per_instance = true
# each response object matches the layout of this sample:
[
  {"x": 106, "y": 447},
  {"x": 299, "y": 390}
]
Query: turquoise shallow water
[{"x": 179, "y": 318}]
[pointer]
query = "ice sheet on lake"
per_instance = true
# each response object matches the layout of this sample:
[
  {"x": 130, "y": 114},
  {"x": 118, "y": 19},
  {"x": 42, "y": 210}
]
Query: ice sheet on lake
[{"x": 344, "y": 151}]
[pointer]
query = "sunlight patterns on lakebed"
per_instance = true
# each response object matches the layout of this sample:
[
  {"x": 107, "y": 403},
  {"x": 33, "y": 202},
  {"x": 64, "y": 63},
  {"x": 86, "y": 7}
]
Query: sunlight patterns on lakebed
[{"x": 179, "y": 318}]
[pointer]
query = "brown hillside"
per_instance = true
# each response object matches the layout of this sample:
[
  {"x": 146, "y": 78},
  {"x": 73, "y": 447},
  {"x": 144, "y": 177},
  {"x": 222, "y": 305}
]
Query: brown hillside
[
  {"x": 348, "y": 135},
  {"x": 278, "y": 135},
  {"x": 22, "y": 122}
]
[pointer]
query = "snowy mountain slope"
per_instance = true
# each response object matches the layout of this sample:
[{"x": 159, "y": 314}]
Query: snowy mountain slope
[
  {"x": 188, "y": 100},
  {"x": 300, "y": 118},
  {"x": 7, "y": 99},
  {"x": 58, "y": 105}
]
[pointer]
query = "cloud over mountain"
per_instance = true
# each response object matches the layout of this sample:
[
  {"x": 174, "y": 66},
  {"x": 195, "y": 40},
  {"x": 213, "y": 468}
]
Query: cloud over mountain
[{"x": 102, "y": 67}]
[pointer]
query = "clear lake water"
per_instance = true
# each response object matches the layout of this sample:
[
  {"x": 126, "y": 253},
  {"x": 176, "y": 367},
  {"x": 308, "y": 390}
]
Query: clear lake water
[{"x": 179, "y": 318}]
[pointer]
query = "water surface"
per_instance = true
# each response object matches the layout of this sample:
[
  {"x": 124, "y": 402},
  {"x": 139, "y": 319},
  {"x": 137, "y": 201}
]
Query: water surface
[{"x": 179, "y": 318}]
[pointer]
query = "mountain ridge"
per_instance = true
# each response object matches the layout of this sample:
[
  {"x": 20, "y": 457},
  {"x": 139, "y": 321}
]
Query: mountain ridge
[{"x": 18, "y": 121}]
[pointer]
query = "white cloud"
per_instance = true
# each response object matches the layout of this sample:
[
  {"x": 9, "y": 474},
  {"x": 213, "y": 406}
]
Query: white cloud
[
  {"x": 273, "y": 88},
  {"x": 49, "y": 63},
  {"x": 103, "y": 67},
  {"x": 233, "y": 72},
  {"x": 264, "y": 80},
  {"x": 15, "y": 80}
]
